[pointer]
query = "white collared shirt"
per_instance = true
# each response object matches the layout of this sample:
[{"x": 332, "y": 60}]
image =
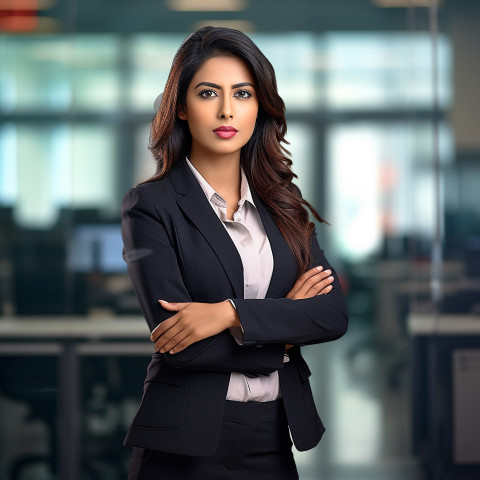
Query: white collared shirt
[{"x": 248, "y": 234}]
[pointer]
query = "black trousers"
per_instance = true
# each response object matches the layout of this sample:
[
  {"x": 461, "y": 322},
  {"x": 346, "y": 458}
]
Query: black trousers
[{"x": 254, "y": 445}]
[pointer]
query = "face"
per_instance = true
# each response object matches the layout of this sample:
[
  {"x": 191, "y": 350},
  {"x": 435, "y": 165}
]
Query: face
[{"x": 221, "y": 107}]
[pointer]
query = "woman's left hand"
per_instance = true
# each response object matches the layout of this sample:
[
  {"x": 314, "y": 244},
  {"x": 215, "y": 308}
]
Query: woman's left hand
[{"x": 192, "y": 322}]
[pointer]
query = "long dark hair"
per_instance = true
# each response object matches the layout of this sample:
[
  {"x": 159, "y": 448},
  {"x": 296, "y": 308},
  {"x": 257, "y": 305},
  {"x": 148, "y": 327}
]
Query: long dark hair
[{"x": 264, "y": 159}]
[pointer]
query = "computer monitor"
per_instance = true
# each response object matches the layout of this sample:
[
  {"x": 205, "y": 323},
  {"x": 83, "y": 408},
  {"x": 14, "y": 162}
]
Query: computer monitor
[{"x": 95, "y": 247}]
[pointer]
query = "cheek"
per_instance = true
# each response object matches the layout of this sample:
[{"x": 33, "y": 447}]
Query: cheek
[
  {"x": 196, "y": 119},
  {"x": 252, "y": 118}
]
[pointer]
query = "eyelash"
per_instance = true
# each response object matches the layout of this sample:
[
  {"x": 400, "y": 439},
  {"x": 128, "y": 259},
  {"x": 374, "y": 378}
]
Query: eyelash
[
  {"x": 243, "y": 97},
  {"x": 245, "y": 94},
  {"x": 204, "y": 92}
]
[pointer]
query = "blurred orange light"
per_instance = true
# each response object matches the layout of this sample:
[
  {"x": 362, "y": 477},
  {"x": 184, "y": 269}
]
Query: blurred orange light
[
  {"x": 21, "y": 23},
  {"x": 26, "y": 4},
  {"x": 22, "y": 15},
  {"x": 18, "y": 4}
]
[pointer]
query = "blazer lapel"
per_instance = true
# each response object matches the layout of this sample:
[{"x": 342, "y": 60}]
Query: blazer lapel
[
  {"x": 285, "y": 267},
  {"x": 194, "y": 203}
]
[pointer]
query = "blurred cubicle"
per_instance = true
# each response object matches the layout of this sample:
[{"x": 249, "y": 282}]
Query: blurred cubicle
[{"x": 383, "y": 111}]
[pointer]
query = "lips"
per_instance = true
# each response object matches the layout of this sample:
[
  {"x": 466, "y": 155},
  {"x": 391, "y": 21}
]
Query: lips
[{"x": 225, "y": 132}]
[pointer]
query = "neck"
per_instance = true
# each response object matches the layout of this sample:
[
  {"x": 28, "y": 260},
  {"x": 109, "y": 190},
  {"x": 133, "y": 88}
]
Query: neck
[{"x": 222, "y": 172}]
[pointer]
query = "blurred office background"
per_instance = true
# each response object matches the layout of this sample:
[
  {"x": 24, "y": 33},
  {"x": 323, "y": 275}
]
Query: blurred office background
[{"x": 383, "y": 109}]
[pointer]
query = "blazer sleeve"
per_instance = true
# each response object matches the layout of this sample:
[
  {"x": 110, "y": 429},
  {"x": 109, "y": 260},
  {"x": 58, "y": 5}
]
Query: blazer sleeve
[
  {"x": 153, "y": 267},
  {"x": 297, "y": 322}
]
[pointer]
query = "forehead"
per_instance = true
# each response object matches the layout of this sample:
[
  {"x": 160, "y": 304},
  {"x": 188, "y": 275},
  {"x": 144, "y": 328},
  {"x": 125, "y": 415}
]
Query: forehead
[{"x": 224, "y": 71}]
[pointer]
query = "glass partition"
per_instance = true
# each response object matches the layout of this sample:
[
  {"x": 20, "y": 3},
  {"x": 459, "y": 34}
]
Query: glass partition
[{"x": 382, "y": 114}]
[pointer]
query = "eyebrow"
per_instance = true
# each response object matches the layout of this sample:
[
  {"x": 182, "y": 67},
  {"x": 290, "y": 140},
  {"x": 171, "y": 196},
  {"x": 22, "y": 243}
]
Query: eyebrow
[{"x": 214, "y": 85}]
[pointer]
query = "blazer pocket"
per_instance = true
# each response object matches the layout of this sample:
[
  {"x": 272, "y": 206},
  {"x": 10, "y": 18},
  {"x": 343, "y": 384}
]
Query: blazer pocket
[
  {"x": 164, "y": 403},
  {"x": 161, "y": 371}
]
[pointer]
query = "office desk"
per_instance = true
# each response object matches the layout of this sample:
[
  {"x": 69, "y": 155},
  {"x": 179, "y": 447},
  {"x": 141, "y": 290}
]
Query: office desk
[
  {"x": 73, "y": 327},
  {"x": 70, "y": 338},
  {"x": 446, "y": 394}
]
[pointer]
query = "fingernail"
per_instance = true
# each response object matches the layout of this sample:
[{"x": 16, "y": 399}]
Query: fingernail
[
  {"x": 164, "y": 301},
  {"x": 319, "y": 268},
  {"x": 162, "y": 350},
  {"x": 172, "y": 351},
  {"x": 330, "y": 278},
  {"x": 328, "y": 271}
]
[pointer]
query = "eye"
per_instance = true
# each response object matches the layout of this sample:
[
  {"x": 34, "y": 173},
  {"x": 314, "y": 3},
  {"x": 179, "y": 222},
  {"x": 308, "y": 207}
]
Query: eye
[
  {"x": 208, "y": 94},
  {"x": 243, "y": 94}
]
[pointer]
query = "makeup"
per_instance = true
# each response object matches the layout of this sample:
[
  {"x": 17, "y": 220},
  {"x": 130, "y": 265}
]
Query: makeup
[{"x": 225, "y": 132}]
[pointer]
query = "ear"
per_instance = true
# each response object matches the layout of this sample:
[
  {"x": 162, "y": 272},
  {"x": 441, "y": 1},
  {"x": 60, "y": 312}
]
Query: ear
[{"x": 182, "y": 113}]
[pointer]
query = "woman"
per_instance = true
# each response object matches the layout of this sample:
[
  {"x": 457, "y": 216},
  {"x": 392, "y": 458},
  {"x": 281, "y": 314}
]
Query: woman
[{"x": 228, "y": 271}]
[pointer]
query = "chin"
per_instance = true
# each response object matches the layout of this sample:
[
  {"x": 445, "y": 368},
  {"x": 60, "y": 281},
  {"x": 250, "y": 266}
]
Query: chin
[{"x": 227, "y": 150}]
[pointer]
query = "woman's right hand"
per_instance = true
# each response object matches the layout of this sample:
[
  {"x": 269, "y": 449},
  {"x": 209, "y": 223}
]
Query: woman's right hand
[{"x": 312, "y": 282}]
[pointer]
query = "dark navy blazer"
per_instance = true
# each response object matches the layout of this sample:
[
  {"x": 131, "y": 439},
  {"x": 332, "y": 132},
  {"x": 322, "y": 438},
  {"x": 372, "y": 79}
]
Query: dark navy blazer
[{"x": 178, "y": 250}]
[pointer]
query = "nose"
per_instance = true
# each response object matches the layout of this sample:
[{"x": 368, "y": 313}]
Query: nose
[{"x": 226, "y": 108}]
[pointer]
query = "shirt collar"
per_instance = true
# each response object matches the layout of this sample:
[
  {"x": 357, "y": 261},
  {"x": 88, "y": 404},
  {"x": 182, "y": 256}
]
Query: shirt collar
[{"x": 214, "y": 197}]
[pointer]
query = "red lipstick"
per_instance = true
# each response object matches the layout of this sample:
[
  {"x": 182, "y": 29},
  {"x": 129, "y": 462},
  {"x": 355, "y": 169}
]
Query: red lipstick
[{"x": 225, "y": 132}]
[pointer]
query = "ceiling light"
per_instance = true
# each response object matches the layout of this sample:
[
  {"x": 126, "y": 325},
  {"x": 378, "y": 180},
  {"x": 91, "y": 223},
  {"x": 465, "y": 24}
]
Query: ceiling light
[
  {"x": 406, "y": 3},
  {"x": 207, "y": 5},
  {"x": 242, "y": 25}
]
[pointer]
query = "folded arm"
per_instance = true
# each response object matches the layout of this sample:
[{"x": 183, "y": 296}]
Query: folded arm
[
  {"x": 154, "y": 270},
  {"x": 193, "y": 321},
  {"x": 320, "y": 318}
]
